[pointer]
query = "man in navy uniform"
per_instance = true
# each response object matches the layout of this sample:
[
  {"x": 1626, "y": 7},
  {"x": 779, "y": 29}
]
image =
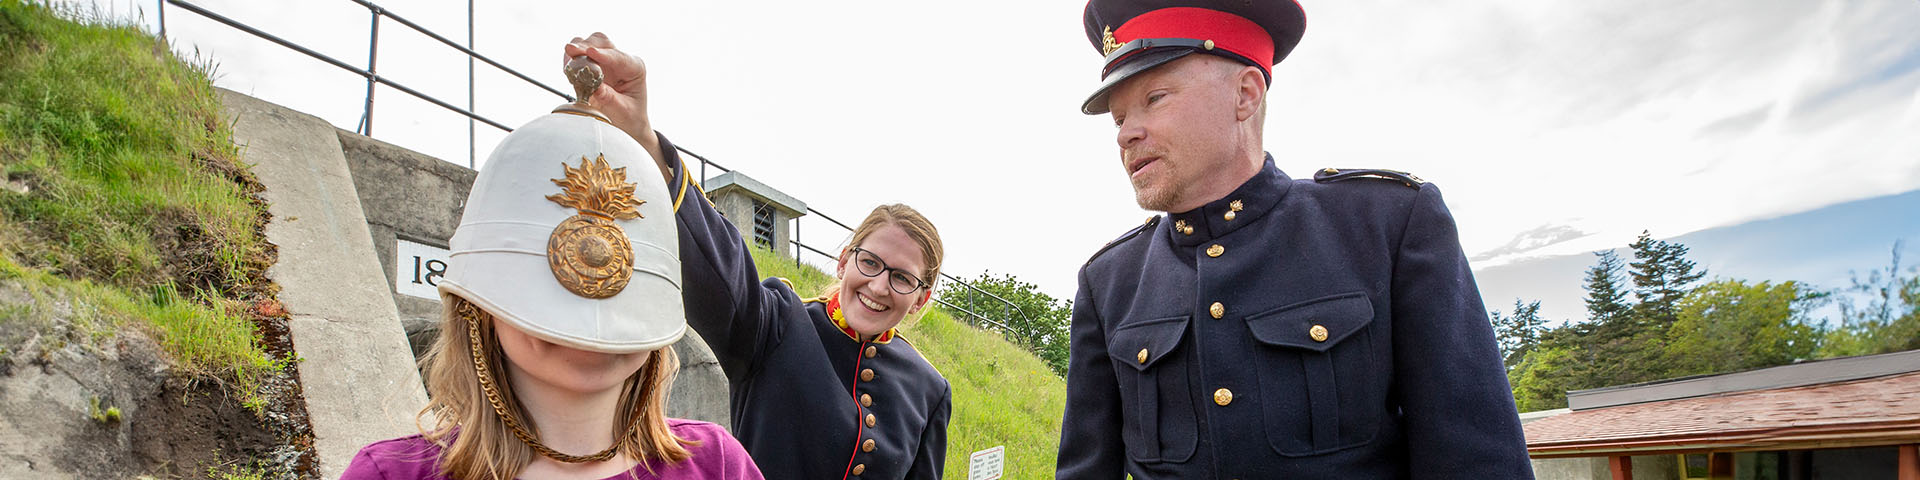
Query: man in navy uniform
[{"x": 1267, "y": 327}]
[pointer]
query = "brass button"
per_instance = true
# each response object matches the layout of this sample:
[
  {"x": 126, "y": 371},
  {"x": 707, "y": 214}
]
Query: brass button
[
  {"x": 866, "y": 375},
  {"x": 869, "y": 420},
  {"x": 1183, "y": 227},
  {"x": 859, "y": 469},
  {"x": 1217, "y": 310},
  {"x": 1229, "y": 216},
  {"x": 871, "y": 351},
  {"x": 1331, "y": 170},
  {"x": 867, "y": 446},
  {"x": 1222, "y": 397},
  {"x": 1142, "y": 356},
  {"x": 1207, "y": 45},
  {"x": 1216, "y": 250},
  {"x": 866, "y": 400},
  {"x": 1318, "y": 332},
  {"x": 1236, "y": 206}
]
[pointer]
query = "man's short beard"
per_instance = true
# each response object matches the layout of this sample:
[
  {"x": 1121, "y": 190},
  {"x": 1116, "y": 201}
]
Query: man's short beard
[{"x": 1159, "y": 201}]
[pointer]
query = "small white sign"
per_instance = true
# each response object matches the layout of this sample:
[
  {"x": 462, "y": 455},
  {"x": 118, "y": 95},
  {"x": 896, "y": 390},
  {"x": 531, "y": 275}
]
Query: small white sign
[
  {"x": 987, "y": 464},
  {"x": 418, "y": 269}
]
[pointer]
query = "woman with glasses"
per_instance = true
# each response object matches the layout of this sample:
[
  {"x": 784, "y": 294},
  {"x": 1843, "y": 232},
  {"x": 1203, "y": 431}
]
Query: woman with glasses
[{"x": 822, "y": 386}]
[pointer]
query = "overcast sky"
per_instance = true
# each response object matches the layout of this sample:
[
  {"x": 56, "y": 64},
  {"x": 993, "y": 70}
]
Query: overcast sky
[{"x": 1553, "y": 126}]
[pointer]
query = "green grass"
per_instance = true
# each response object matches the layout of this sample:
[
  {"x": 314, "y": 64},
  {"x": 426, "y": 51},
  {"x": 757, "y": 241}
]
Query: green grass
[
  {"x": 213, "y": 342},
  {"x": 136, "y": 210},
  {"x": 1002, "y": 395},
  {"x": 131, "y": 169}
]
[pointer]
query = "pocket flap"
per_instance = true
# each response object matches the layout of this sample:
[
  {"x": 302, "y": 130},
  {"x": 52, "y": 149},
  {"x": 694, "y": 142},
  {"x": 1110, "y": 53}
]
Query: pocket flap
[
  {"x": 1143, "y": 344},
  {"x": 1316, "y": 324}
]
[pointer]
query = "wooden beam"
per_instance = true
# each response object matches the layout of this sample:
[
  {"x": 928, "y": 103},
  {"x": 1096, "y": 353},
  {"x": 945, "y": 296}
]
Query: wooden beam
[
  {"x": 1910, "y": 462},
  {"x": 1720, "y": 466},
  {"x": 1622, "y": 467}
]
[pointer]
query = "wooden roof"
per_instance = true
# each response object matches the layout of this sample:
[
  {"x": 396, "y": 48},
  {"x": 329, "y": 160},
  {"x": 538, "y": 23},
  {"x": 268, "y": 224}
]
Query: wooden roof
[{"x": 1882, "y": 410}]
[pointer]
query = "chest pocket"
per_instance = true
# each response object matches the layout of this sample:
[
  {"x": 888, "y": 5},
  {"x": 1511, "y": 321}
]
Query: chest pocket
[
  {"x": 1159, "y": 424},
  {"x": 1320, "y": 390}
]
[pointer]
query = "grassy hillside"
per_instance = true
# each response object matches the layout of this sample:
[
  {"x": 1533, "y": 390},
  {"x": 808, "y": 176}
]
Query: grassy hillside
[
  {"x": 1002, "y": 395},
  {"x": 123, "y": 198}
]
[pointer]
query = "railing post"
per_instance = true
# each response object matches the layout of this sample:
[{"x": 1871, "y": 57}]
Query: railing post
[
  {"x": 373, "y": 55},
  {"x": 973, "y": 305},
  {"x": 163, "y": 21},
  {"x": 471, "y": 138}
]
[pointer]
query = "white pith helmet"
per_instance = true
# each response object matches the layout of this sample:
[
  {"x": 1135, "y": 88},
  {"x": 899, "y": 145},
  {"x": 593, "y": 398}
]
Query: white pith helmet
[{"x": 569, "y": 235}]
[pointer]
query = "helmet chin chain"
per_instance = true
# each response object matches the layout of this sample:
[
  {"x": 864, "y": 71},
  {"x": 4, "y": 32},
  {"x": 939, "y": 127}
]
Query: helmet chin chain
[{"x": 473, "y": 315}]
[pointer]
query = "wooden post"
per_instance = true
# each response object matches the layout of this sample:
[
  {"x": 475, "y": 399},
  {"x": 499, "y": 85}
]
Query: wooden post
[
  {"x": 1910, "y": 462},
  {"x": 1622, "y": 467},
  {"x": 1720, "y": 466},
  {"x": 1799, "y": 465}
]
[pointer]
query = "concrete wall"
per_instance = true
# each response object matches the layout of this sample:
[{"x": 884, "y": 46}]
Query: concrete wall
[
  {"x": 738, "y": 208},
  {"x": 1646, "y": 467},
  {"x": 411, "y": 196},
  {"x": 356, "y": 371},
  {"x": 1583, "y": 468}
]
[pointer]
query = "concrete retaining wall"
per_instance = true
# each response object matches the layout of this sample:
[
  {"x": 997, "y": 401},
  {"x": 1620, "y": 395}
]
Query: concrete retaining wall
[{"x": 356, "y": 371}]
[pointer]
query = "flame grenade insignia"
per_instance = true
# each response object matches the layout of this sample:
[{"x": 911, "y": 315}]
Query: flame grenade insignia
[
  {"x": 589, "y": 253},
  {"x": 1107, "y": 44}
]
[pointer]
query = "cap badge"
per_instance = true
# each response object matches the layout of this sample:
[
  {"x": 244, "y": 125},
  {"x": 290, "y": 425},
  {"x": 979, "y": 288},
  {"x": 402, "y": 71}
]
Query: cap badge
[
  {"x": 589, "y": 254},
  {"x": 1107, "y": 45}
]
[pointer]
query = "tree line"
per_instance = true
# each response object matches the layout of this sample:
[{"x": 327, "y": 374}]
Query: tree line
[{"x": 1655, "y": 318}]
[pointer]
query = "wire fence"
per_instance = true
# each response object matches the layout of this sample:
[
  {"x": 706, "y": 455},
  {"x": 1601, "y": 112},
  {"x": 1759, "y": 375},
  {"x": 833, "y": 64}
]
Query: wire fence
[{"x": 970, "y": 305}]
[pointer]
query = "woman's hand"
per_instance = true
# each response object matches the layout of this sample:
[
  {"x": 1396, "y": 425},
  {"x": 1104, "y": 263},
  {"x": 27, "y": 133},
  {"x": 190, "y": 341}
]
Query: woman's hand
[{"x": 622, "y": 96}]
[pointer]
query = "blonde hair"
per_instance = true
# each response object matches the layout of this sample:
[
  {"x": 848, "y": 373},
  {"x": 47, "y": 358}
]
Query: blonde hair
[
  {"x": 909, "y": 220},
  {"x": 476, "y": 442}
]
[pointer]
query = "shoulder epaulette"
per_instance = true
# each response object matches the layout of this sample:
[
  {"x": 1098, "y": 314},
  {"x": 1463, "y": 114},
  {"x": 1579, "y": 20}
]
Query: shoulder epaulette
[
  {"x": 1330, "y": 175},
  {"x": 1151, "y": 221}
]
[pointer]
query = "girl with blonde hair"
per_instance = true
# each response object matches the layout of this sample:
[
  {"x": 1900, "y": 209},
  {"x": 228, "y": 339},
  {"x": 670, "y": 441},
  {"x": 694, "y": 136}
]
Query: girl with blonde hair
[{"x": 560, "y": 305}]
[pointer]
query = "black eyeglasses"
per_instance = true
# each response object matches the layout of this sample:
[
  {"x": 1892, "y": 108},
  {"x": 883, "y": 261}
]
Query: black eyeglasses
[{"x": 871, "y": 265}]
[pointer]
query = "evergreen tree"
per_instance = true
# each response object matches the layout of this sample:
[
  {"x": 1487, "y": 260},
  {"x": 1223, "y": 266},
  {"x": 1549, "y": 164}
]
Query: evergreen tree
[
  {"x": 1519, "y": 332},
  {"x": 1661, "y": 277},
  {"x": 1606, "y": 299}
]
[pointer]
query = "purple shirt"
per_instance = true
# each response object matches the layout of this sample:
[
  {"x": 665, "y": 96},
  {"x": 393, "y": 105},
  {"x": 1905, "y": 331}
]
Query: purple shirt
[{"x": 718, "y": 457}]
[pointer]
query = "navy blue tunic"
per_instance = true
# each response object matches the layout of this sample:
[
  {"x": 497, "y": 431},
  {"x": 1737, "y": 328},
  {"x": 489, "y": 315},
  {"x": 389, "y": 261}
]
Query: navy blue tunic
[
  {"x": 808, "y": 400},
  {"x": 1292, "y": 329}
]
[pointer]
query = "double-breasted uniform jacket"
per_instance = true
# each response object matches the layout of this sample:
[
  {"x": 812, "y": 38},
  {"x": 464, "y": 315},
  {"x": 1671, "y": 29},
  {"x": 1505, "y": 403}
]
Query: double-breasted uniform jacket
[
  {"x": 1292, "y": 329},
  {"x": 808, "y": 400}
]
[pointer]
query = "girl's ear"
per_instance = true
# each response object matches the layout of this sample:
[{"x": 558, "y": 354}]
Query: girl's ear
[
  {"x": 840, "y": 265},
  {"x": 922, "y": 302}
]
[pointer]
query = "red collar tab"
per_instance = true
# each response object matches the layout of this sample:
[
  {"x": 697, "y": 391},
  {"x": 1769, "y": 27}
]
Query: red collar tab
[
  {"x": 1232, "y": 33},
  {"x": 840, "y": 320}
]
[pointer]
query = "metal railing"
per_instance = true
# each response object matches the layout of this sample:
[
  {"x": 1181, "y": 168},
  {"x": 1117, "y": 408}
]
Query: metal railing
[{"x": 975, "y": 296}]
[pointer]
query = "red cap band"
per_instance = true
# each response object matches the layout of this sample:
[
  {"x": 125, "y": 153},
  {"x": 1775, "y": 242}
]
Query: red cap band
[{"x": 1229, "y": 32}]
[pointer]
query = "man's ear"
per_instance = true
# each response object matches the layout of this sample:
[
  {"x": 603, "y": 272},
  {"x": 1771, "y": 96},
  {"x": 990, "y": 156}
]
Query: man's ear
[{"x": 1251, "y": 87}]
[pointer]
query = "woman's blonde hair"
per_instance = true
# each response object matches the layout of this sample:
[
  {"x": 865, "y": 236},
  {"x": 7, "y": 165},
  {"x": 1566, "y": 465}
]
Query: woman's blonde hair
[
  {"x": 909, "y": 220},
  {"x": 476, "y": 443}
]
